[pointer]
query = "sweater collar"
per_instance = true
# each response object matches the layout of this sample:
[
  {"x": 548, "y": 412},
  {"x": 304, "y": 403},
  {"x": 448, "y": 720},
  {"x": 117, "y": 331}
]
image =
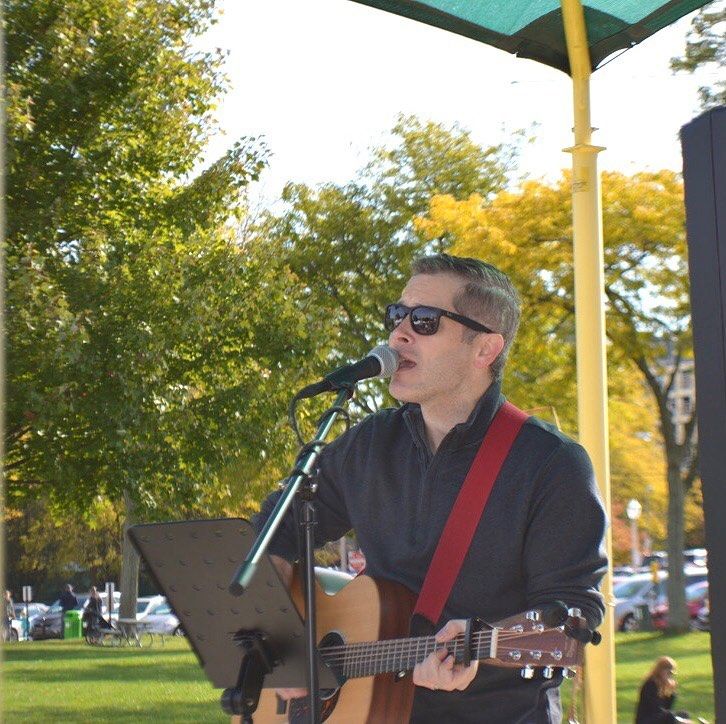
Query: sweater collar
[{"x": 465, "y": 433}]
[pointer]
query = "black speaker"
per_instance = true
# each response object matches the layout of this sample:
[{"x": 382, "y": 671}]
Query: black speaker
[{"x": 704, "y": 172}]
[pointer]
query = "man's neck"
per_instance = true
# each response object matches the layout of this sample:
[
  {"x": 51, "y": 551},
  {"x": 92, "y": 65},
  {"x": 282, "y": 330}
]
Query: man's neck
[{"x": 440, "y": 420}]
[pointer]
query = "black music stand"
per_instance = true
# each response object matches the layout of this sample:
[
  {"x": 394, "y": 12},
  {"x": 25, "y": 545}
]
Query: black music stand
[{"x": 243, "y": 643}]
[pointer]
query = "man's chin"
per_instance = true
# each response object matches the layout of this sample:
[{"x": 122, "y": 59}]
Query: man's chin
[{"x": 402, "y": 393}]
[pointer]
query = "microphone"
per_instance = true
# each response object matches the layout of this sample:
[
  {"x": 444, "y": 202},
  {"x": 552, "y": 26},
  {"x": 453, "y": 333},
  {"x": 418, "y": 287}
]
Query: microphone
[{"x": 381, "y": 361}]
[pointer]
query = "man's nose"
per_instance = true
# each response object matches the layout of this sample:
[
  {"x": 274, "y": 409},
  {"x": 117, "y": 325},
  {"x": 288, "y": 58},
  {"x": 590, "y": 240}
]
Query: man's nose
[{"x": 402, "y": 333}]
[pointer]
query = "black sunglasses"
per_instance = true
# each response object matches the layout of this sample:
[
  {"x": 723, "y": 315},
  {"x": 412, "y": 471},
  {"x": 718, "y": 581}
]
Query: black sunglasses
[{"x": 425, "y": 319}]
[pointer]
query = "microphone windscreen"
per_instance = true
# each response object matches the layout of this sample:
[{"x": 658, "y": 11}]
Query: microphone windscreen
[{"x": 388, "y": 358}]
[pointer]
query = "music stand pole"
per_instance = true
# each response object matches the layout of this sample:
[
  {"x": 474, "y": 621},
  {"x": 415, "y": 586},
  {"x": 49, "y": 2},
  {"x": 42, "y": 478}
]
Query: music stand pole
[
  {"x": 308, "y": 523},
  {"x": 302, "y": 472}
]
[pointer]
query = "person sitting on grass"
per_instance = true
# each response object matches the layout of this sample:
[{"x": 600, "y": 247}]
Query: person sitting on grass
[{"x": 658, "y": 694}]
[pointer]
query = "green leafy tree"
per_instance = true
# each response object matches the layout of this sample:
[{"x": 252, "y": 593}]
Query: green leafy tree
[
  {"x": 706, "y": 47},
  {"x": 350, "y": 246},
  {"x": 144, "y": 339},
  {"x": 528, "y": 232},
  {"x": 49, "y": 545}
]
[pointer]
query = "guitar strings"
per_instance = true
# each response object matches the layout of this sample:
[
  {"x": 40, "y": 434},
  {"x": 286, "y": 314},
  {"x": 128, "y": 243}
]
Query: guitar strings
[
  {"x": 408, "y": 643},
  {"x": 357, "y": 654}
]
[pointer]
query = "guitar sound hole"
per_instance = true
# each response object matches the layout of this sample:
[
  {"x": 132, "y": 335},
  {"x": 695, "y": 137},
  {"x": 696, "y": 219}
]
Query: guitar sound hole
[{"x": 298, "y": 709}]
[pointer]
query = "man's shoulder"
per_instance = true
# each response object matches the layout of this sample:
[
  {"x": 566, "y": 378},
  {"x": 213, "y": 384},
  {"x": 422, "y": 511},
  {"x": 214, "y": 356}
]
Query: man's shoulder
[{"x": 548, "y": 440}]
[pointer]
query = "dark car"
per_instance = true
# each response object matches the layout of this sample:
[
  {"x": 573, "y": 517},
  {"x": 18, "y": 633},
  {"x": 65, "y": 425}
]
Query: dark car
[{"x": 50, "y": 624}]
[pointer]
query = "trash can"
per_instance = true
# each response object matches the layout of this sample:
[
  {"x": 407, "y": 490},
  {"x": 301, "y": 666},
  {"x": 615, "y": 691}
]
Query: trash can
[{"x": 72, "y": 625}]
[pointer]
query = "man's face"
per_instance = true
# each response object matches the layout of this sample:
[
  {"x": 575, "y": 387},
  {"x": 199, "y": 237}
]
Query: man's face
[{"x": 438, "y": 368}]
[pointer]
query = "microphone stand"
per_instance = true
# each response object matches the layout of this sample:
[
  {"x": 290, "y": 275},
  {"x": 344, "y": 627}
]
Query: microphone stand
[{"x": 300, "y": 477}]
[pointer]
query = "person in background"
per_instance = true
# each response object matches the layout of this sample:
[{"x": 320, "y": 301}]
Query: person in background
[
  {"x": 68, "y": 601},
  {"x": 658, "y": 694},
  {"x": 8, "y": 614},
  {"x": 94, "y": 609}
]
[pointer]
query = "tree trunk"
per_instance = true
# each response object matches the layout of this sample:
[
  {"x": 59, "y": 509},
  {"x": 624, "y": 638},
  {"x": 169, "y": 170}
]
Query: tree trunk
[
  {"x": 129, "y": 564},
  {"x": 677, "y": 613}
]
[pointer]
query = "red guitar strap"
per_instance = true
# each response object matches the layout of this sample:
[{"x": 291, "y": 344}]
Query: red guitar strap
[{"x": 467, "y": 511}]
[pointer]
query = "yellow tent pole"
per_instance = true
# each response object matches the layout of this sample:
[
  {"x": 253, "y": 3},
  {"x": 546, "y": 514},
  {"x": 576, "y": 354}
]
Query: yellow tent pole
[{"x": 599, "y": 684}]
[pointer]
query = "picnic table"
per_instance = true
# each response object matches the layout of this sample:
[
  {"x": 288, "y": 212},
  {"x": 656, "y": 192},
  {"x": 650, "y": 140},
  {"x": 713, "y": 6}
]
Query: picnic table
[
  {"x": 135, "y": 631},
  {"x": 122, "y": 632}
]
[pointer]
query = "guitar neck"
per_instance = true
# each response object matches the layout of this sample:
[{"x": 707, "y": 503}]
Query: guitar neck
[
  {"x": 519, "y": 641},
  {"x": 395, "y": 655}
]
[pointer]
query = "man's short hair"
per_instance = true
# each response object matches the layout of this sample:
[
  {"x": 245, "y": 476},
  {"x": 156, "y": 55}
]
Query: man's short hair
[{"x": 488, "y": 296}]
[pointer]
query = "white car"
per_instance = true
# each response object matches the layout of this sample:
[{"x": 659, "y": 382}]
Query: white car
[
  {"x": 155, "y": 612},
  {"x": 17, "y": 630},
  {"x": 638, "y": 592}
]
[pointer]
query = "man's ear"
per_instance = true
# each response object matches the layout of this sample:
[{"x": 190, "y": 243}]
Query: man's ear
[{"x": 489, "y": 347}]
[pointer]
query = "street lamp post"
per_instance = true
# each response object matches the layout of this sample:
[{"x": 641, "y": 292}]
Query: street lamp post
[{"x": 634, "y": 509}]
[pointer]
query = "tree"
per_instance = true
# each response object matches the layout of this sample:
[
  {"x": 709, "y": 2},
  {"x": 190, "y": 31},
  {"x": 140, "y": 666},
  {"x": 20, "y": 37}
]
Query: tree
[
  {"x": 528, "y": 232},
  {"x": 350, "y": 246},
  {"x": 142, "y": 336},
  {"x": 706, "y": 46},
  {"x": 50, "y": 545}
]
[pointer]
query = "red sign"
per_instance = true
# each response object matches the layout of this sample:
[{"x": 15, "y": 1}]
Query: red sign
[{"x": 356, "y": 561}]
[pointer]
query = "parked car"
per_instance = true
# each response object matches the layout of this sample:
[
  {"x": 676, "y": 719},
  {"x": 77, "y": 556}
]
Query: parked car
[
  {"x": 332, "y": 580},
  {"x": 156, "y": 613},
  {"x": 16, "y": 632},
  {"x": 34, "y": 610},
  {"x": 696, "y": 556},
  {"x": 49, "y": 625},
  {"x": 639, "y": 591},
  {"x": 696, "y": 595}
]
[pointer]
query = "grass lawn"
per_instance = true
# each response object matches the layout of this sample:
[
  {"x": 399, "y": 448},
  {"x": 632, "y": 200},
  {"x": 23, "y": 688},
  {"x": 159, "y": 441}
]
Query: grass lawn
[
  {"x": 635, "y": 653},
  {"x": 70, "y": 681}
]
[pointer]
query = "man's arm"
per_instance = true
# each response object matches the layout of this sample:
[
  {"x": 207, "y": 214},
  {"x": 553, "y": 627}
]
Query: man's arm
[
  {"x": 331, "y": 513},
  {"x": 564, "y": 553}
]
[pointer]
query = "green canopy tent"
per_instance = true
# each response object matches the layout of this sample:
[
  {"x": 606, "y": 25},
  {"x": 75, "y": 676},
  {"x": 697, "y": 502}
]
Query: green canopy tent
[
  {"x": 574, "y": 36},
  {"x": 534, "y": 29}
]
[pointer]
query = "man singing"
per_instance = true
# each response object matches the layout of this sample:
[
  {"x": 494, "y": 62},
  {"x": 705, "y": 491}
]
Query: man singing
[{"x": 394, "y": 478}]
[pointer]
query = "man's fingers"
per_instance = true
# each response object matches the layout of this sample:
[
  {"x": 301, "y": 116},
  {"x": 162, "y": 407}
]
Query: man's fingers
[
  {"x": 451, "y": 630},
  {"x": 438, "y": 671}
]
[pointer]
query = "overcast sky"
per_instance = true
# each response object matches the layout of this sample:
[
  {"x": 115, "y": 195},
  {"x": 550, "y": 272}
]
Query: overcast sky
[{"x": 323, "y": 80}]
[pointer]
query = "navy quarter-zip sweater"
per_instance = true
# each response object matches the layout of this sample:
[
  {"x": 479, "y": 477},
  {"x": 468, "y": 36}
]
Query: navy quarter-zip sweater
[{"x": 540, "y": 538}]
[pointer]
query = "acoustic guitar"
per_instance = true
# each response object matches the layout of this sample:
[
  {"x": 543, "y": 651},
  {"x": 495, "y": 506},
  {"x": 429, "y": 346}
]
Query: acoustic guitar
[{"x": 362, "y": 634}]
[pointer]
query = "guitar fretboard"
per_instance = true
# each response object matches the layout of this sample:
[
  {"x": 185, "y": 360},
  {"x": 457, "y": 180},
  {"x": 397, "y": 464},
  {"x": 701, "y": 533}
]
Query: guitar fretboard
[{"x": 380, "y": 657}]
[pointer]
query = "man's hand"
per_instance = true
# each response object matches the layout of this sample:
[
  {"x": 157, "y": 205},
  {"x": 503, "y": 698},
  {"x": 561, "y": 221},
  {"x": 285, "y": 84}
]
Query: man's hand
[{"x": 438, "y": 670}]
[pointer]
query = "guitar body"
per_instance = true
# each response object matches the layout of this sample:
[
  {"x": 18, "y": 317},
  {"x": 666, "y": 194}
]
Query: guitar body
[
  {"x": 363, "y": 630},
  {"x": 364, "y": 610}
]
